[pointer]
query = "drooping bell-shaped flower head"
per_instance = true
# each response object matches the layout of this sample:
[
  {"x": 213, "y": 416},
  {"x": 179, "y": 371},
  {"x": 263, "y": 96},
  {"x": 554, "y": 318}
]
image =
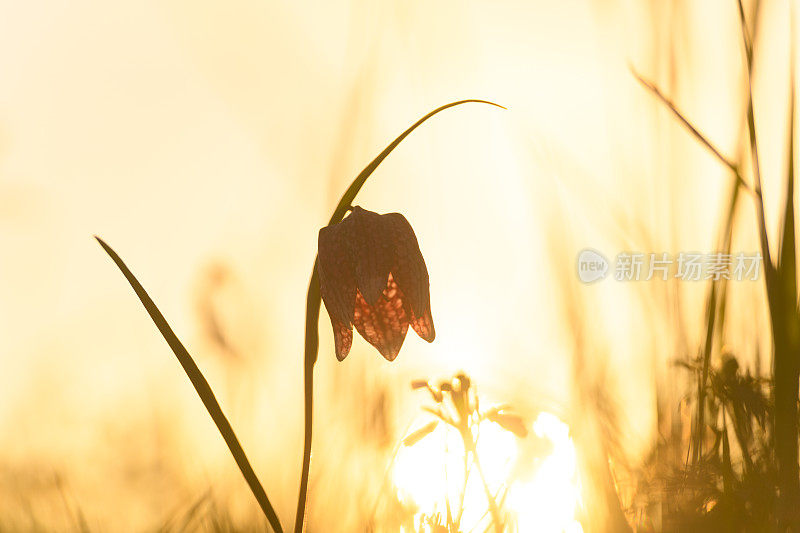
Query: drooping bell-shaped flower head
[{"x": 372, "y": 275}]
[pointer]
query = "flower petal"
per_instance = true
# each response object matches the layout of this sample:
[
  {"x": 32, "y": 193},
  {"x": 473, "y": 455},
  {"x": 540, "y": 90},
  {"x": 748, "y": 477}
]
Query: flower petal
[
  {"x": 423, "y": 325},
  {"x": 337, "y": 278},
  {"x": 409, "y": 266},
  {"x": 343, "y": 338},
  {"x": 385, "y": 324},
  {"x": 373, "y": 251}
]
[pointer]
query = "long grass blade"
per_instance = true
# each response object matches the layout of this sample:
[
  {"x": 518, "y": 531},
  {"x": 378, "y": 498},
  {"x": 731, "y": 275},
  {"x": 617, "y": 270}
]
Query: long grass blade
[
  {"x": 782, "y": 301},
  {"x": 202, "y": 388},
  {"x": 786, "y": 339},
  {"x": 787, "y": 262},
  {"x": 769, "y": 268}
]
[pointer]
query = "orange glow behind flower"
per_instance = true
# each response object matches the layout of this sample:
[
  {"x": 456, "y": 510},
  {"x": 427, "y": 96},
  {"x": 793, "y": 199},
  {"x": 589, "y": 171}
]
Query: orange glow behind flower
[{"x": 430, "y": 476}]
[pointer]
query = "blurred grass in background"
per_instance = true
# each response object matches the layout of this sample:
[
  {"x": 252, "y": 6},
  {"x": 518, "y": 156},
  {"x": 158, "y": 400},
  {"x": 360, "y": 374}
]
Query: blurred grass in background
[{"x": 252, "y": 117}]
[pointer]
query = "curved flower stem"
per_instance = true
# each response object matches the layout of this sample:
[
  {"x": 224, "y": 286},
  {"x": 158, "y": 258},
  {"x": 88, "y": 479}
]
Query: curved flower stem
[{"x": 313, "y": 300}]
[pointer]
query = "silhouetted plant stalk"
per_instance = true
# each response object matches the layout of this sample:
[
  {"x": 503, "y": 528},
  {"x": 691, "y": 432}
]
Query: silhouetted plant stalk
[
  {"x": 717, "y": 288},
  {"x": 781, "y": 285},
  {"x": 457, "y": 405},
  {"x": 785, "y": 321},
  {"x": 313, "y": 300},
  {"x": 781, "y": 291}
]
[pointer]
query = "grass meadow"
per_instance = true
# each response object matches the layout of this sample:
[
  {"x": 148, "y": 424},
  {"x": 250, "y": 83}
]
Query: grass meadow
[{"x": 229, "y": 161}]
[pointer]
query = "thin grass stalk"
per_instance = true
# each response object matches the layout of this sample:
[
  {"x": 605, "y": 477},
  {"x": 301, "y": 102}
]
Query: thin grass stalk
[
  {"x": 313, "y": 301},
  {"x": 715, "y": 319},
  {"x": 717, "y": 292},
  {"x": 786, "y": 333},
  {"x": 711, "y": 303},
  {"x": 751, "y": 128},
  {"x": 727, "y": 465},
  {"x": 734, "y": 168},
  {"x": 726, "y": 247},
  {"x": 203, "y": 390},
  {"x": 711, "y": 314},
  {"x": 782, "y": 300}
]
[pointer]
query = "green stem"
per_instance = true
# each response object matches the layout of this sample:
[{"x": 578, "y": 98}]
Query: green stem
[
  {"x": 313, "y": 305},
  {"x": 202, "y": 388},
  {"x": 311, "y": 349}
]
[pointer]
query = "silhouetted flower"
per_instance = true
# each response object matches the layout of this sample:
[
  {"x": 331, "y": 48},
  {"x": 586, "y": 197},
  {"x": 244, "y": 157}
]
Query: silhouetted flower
[{"x": 372, "y": 275}]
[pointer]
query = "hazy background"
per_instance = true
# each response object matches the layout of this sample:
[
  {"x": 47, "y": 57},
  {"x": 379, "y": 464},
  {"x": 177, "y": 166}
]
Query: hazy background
[{"x": 208, "y": 141}]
